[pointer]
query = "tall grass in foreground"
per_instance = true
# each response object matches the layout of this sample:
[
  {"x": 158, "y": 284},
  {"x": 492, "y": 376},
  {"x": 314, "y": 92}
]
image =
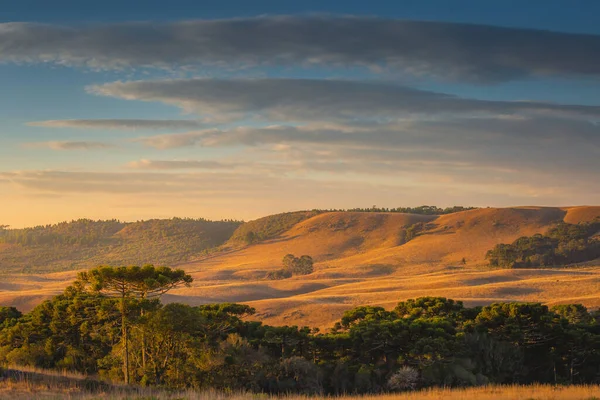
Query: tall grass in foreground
[{"x": 26, "y": 389}]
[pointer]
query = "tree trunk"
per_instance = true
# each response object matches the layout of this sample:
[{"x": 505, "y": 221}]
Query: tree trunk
[
  {"x": 143, "y": 346},
  {"x": 125, "y": 340}
]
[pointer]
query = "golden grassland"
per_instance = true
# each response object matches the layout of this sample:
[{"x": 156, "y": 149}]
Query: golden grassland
[
  {"x": 360, "y": 259},
  {"x": 49, "y": 387},
  {"x": 24, "y": 383}
]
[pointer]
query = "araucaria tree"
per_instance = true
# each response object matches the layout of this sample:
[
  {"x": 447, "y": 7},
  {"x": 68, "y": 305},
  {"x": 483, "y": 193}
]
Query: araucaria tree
[{"x": 130, "y": 284}]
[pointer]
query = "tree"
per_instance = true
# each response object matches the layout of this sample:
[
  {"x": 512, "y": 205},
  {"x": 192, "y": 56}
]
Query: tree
[
  {"x": 131, "y": 283},
  {"x": 289, "y": 260},
  {"x": 298, "y": 266},
  {"x": 250, "y": 237},
  {"x": 303, "y": 265},
  {"x": 9, "y": 315}
]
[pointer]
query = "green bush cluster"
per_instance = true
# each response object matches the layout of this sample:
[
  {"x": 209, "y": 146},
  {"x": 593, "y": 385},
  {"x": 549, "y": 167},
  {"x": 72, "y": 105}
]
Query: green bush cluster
[
  {"x": 292, "y": 265},
  {"x": 563, "y": 244}
]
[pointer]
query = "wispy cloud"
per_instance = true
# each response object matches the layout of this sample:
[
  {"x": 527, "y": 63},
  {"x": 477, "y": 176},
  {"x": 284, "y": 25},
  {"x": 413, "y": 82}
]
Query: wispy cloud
[
  {"x": 459, "y": 147},
  {"x": 323, "y": 100},
  {"x": 70, "y": 145},
  {"x": 183, "y": 164},
  {"x": 120, "y": 124},
  {"x": 448, "y": 50}
]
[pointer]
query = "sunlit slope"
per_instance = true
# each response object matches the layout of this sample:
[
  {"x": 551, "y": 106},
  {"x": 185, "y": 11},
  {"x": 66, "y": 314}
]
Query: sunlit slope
[
  {"x": 361, "y": 244},
  {"x": 360, "y": 259},
  {"x": 363, "y": 258}
]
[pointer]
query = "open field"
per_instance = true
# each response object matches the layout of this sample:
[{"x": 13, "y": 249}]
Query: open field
[
  {"x": 360, "y": 258},
  {"x": 29, "y": 387}
]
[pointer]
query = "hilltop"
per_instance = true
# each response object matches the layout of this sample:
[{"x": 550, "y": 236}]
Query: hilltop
[
  {"x": 376, "y": 257},
  {"x": 85, "y": 243}
]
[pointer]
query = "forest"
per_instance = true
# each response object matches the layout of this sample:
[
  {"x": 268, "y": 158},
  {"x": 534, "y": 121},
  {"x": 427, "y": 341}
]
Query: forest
[
  {"x": 85, "y": 243},
  {"x": 561, "y": 245},
  {"x": 110, "y": 323}
]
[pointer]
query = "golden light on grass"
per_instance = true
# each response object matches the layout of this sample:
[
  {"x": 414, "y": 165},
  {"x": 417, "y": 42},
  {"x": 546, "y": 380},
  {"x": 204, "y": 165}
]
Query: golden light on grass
[
  {"x": 52, "y": 387},
  {"x": 358, "y": 261}
]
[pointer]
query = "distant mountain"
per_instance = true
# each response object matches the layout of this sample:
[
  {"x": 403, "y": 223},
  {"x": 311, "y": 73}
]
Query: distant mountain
[{"x": 85, "y": 243}]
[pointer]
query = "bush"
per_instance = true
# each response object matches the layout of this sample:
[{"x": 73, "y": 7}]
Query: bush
[
  {"x": 298, "y": 266},
  {"x": 299, "y": 375},
  {"x": 279, "y": 274},
  {"x": 406, "y": 378}
]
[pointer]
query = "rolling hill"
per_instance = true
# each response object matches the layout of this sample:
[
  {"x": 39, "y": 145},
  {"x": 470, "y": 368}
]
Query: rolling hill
[
  {"x": 365, "y": 258},
  {"x": 85, "y": 243}
]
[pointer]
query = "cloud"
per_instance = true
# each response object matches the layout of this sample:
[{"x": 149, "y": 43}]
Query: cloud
[
  {"x": 182, "y": 164},
  {"x": 234, "y": 195},
  {"x": 119, "y": 124},
  {"x": 513, "y": 147},
  {"x": 466, "y": 134},
  {"x": 449, "y": 50},
  {"x": 324, "y": 100},
  {"x": 70, "y": 145}
]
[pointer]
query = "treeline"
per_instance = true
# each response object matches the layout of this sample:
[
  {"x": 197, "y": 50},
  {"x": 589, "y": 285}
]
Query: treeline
[
  {"x": 563, "y": 244},
  {"x": 425, "y": 342},
  {"x": 76, "y": 232},
  {"x": 421, "y": 210},
  {"x": 84, "y": 243}
]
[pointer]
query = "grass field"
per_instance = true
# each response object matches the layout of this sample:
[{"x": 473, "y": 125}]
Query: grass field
[
  {"x": 360, "y": 259},
  {"x": 54, "y": 388}
]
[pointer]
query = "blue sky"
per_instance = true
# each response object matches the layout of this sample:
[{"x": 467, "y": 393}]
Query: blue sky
[{"x": 357, "y": 102}]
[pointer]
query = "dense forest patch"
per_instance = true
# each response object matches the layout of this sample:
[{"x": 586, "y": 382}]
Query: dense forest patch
[
  {"x": 85, "y": 243},
  {"x": 564, "y": 244}
]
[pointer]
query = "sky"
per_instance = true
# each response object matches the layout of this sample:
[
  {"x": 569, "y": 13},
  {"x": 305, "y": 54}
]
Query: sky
[{"x": 237, "y": 109}]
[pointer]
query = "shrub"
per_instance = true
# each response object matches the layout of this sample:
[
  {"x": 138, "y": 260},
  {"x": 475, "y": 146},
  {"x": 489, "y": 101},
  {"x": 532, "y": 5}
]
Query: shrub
[
  {"x": 405, "y": 378},
  {"x": 279, "y": 274}
]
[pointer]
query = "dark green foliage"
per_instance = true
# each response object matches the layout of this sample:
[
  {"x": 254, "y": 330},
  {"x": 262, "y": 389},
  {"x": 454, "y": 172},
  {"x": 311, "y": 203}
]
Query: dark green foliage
[
  {"x": 278, "y": 274},
  {"x": 424, "y": 342},
  {"x": 133, "y": 287},
  {"x": 302, "y": 265},
  {"x": 9, "y": 316},
  {"x": 292, "y": 265},
  {"x": 86, "y": 243},
  {"x": 563, "y": 244}
]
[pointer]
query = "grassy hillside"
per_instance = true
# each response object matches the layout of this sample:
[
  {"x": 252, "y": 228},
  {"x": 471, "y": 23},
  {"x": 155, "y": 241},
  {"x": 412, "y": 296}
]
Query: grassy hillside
[
  {"x": 364, "y": 258},
  {"x": 86, "y": 243},
  {"x": 360, "y": 258},
  {"x": 268, "y": 227}
]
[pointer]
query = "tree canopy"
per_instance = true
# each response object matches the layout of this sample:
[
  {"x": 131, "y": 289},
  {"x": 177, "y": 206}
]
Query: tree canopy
[
  {"x": 423, "y": 342},
  {"x": 563, "y": 244}
]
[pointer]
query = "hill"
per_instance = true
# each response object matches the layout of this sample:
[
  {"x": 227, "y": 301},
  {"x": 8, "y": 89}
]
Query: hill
[
  {"x": 375, "y": 258},
  {"x": 86, "y": 243}
]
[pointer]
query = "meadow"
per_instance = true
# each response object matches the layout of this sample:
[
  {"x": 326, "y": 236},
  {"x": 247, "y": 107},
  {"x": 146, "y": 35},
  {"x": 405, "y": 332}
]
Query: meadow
[
  {"x": 361, "y": 258},
  {"x": 53, "y": 388}
]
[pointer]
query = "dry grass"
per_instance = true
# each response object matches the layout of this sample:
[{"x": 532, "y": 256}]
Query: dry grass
[
  {"x": 359, "y": 261},
  {"x": 31, "y": 389}
]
